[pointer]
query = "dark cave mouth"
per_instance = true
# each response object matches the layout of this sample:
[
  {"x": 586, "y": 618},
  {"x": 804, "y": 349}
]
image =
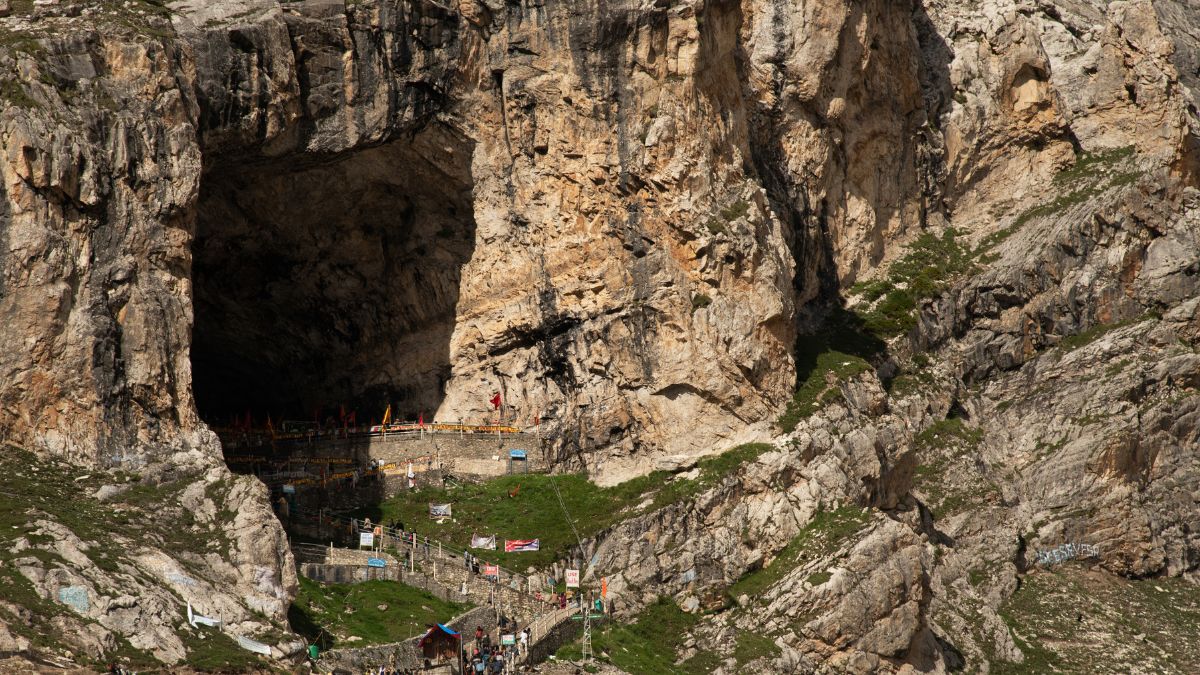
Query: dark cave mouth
[{"x": 325, "y": 287}]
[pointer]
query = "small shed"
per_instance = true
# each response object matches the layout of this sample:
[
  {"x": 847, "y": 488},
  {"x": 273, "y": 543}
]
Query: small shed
[
  {"x": 518, "y": 461},
  {"x": 440, "y": 643}
]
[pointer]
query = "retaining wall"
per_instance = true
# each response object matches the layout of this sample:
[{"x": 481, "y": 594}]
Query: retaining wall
[{"x": 564, "y": 633}]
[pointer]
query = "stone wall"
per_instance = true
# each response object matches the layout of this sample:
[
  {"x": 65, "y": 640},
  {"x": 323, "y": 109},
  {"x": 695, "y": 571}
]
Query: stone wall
[
  {"x": 558, "y": 636},
  {"x": 469, "y": 454}
]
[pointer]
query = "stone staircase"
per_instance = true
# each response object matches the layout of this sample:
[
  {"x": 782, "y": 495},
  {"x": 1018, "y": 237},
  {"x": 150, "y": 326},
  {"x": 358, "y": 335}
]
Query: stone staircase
[{"x": 427, "y": 565}]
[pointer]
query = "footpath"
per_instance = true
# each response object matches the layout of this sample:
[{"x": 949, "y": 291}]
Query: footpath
[{"x": 430, "y": 565}]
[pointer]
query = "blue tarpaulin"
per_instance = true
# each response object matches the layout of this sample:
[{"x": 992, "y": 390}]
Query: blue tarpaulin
[{"x": 448, "y": 629}]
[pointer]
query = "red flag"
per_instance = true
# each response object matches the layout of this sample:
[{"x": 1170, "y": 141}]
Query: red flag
[
  {"x": 496, "y": 401},
  {"x": 421, "y": 419}
]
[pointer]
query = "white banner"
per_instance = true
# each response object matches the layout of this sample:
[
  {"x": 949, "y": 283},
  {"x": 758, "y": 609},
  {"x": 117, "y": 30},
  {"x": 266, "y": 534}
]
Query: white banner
[
  {"x": 483, "y": 542},
  {"x": 572, "y": 578},
  {"x": 366, "y": 539}
]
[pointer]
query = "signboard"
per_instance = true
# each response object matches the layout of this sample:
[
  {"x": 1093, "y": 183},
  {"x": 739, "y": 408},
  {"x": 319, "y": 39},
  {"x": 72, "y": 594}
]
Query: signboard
[
  {"x": 366, "y": 539},
  {"x": 289, "y": 489},
  {"x": 517, "y": 454},
  {"x": 518, "y": 545},
  {"x": 508, "y": 639},
  {"x": 376, "y": 562},
  {"x": 572, "y": 578},
  {"x": 440, "y": 511},
  {"x": 491, "y": 570},
  {"x": 483, "y": 542}
]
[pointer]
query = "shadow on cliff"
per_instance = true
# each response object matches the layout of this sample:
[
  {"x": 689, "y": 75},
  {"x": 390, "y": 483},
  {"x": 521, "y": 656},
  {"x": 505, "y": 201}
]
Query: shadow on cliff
[
  {"x": 823, "y": 324},
  {"x": 327, "y": 287},
  {"x": 325, "y": 294}
]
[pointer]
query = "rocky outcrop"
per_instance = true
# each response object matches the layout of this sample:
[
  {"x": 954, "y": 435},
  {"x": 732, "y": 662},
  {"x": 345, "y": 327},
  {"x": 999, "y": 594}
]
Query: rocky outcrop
[{"x": 633, "y": 221}]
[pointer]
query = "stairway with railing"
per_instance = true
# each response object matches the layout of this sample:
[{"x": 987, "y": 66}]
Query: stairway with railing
[{"x": 450, "y": 571}]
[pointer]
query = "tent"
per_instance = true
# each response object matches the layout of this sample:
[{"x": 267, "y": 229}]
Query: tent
[{"x": 440, "y": 643}]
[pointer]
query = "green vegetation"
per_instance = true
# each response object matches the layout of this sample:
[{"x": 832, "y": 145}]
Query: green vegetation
[
  {"x": 36, "y": 488},
  {"x": 700, "y": 301},
  {"x": 16, "y": 94},
  {"x": 1090, "y": 176},
  {"x": 719, "y": 223},
  {"x": 1084, "y": 338},
  {"x": 841, "y": 350},
  {"x": 822, "y": 536},
  {"x": 946, "y": 442},
  {"x": 751, "y": 646},
  {"x": 923, "y": 272},
  {"x": 325, "y": 614},
  {"x": 648, "y": 646},
  {"x": 1072, "y": 620},
  {"x": 210, "y": 650},
  {"x": 818, "y": 578},
  {"x": 932, "y": 262},
  {"x": 947, "y": 433},
  {"x": 533, "y": 510}
]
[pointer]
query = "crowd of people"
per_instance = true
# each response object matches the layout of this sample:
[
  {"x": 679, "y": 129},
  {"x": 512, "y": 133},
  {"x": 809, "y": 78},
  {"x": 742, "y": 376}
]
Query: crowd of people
[{"x": 485, "y": 657}]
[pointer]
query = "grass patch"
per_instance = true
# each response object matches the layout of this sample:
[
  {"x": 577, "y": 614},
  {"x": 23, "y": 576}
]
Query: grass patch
[
  {"x": 1086, "y": 337},
  {"x": 648, "y": 646},
  {"x": 922, "y": 273},
  {"x": 1091, "y": 175},
  {"x": 719, "y": 222},
  {"x": 822, "y": 536},
  {"x": 819, "y": 578},
  {"x": 326, "y": 614},
  {"x": 945, "y": 442},
  {"x": 751, "y": 646},
  {"x": 37, "y": 488},
  {"x": 486, "y": 508},
  {"x": 15, "y": 93},
  {"x": 948, "y": 432},
  {"x": 842, "y": 349},
  {"x": 1072, "y": 620},
  {"x": 210, "y": 650}
]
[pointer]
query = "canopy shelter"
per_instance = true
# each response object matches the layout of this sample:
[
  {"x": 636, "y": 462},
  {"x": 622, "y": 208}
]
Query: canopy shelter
[
  {"x": 518, "y": 461},
  {"x": 440, "y": 643}
]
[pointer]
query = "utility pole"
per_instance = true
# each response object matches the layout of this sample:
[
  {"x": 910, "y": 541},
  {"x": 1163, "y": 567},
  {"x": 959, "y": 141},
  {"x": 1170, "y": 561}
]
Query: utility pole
[{"x": 587, "y": 630}]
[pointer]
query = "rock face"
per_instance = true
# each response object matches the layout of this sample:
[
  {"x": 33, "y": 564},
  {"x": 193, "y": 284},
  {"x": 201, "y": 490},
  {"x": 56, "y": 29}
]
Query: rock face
[{"x": 641, "y": 224}]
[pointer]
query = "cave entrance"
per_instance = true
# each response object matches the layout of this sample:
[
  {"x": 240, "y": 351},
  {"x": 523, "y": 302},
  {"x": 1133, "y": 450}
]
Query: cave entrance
[{"x": 325, "y": 285}]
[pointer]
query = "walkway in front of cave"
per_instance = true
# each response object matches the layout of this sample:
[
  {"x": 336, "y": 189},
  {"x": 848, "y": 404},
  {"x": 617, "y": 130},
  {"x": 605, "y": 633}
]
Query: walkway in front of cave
[{"x": 428, "y": 452}]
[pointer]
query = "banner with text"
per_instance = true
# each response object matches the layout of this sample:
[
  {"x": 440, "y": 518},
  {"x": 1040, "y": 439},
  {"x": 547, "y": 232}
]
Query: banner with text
[
  {"x": 492, "y": 571},
  {"x": 518, "y": 545},
  {"x": 572, "y": 578},
  {"x": 483, "y": 542},
  {"x": 440, "y": 511}
]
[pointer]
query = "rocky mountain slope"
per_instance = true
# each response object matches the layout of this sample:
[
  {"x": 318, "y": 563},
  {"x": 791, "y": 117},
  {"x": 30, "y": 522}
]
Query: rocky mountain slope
[{"x": 943, "y": 254}]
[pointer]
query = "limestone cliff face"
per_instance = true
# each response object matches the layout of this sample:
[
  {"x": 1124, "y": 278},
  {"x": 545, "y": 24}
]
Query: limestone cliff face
[{"x": 624, "y": 217}]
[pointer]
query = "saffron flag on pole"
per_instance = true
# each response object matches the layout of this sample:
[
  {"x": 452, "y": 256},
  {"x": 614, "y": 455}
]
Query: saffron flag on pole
[
  {"x": 387, "y": 414},
  {"x": 519, "y": 545}
]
